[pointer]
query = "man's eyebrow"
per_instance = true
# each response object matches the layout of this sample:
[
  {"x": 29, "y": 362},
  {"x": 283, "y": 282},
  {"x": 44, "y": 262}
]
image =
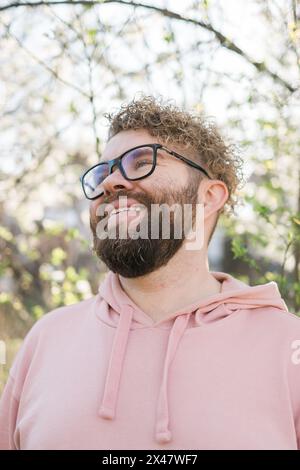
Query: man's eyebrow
[
  {"x": 161, "y": 152},
  {"x": 122, "y": 153}
]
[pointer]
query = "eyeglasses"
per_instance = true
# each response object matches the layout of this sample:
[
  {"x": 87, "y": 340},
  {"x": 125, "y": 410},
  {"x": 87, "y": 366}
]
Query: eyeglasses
[{"x": 134, "y": 164}]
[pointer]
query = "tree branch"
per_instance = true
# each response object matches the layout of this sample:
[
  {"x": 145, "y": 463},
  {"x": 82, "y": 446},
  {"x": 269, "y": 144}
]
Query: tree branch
[
  {"x": 223, "y": 40},
  {"x": 43, "y": 64}
]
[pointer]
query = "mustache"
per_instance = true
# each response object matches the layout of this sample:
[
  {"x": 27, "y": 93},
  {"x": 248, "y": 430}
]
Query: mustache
[{"x": 140, "y": 197}]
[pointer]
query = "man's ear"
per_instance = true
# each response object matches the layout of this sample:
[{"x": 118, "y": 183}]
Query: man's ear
[{"x": 213, "y": 194}]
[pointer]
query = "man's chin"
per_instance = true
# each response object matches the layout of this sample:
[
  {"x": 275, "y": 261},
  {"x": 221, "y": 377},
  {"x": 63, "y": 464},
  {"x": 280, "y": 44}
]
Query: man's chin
[{"x": 134, "y": 258}]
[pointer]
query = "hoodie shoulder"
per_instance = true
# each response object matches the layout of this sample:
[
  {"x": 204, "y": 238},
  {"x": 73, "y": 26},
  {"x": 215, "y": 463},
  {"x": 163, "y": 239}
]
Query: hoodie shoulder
[
  {"x": 57, "y": 321},
  {"x": 291, "y": 326},
  {"x": 284, "y": 322},
  {"x": 288, "y": 320},
  {"x": 66, "y": 313}
]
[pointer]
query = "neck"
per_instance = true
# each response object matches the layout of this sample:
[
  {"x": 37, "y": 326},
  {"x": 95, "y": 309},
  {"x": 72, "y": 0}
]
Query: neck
[{"x": 184, "y": 280}]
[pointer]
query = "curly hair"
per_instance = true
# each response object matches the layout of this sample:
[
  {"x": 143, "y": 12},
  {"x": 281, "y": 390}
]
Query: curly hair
[{"x": 190, "y": 131}]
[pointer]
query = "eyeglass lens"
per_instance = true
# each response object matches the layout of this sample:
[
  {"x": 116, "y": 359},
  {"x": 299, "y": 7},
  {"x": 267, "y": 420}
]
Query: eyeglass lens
[{"x": 136, "y": 163}]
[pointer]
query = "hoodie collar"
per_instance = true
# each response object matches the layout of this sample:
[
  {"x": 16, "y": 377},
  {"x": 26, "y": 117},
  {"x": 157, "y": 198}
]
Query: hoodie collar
[{"x": 115, "y": 308}]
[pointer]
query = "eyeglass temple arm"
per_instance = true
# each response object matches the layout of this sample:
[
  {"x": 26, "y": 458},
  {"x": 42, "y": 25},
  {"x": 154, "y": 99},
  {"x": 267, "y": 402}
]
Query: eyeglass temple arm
[{"x": 186, "y": 160}]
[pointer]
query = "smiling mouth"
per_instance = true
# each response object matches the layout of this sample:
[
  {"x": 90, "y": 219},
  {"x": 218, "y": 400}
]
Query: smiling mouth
[
  {"x": 121, "y": 215},
  {"x": 133, "y": 209}
]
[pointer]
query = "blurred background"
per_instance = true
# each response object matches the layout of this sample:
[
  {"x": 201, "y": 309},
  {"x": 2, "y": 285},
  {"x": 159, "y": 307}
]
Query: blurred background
[{"x": 63, "y": 64}]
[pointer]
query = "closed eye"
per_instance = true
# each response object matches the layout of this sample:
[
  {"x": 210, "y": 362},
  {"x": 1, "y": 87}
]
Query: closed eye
[{"x": 140, "y": 163}]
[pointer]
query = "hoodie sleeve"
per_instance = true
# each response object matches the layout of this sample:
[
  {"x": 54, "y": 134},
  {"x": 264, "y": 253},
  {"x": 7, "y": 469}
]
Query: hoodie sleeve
[
  {"x": 294, "y": 381},
  {"x": 8, "y": 415},
  {"x": 10, "y": 398}
]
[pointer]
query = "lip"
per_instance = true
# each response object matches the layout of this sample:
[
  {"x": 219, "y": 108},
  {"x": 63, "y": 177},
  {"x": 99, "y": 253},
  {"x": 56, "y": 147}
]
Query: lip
[{"x": 121, "y": 204}]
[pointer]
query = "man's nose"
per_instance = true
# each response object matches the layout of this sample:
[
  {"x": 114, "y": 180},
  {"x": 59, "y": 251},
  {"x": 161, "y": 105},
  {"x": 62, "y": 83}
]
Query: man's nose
[{"x": 114, "y": 182}]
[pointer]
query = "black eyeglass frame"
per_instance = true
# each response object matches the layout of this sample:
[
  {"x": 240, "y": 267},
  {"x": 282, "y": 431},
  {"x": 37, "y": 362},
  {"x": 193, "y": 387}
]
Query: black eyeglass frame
[{"x": 118, "y": 161}]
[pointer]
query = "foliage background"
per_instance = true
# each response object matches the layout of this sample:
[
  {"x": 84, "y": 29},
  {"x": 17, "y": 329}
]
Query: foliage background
[{"x": 65, "y": 63}]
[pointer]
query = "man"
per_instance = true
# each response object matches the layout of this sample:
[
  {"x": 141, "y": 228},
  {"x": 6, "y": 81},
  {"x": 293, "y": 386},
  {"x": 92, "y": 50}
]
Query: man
[{"x": 167, "y": 355}]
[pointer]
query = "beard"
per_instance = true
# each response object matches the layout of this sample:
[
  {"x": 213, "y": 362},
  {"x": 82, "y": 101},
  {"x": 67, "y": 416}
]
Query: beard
[{"x": 132, "y": 258}]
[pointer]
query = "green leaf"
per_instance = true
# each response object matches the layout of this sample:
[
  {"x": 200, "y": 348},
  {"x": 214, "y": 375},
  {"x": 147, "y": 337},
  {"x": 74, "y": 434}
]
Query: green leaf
[
  {"x": 58, "y": 255},
  {"x": 92, "y": 33},
  {"x": 237, "y": 247},
  {"x": 169, "y": 37}
]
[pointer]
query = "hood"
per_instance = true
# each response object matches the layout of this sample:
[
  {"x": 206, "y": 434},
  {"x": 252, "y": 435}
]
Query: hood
[{"x": 119, "y": 311}]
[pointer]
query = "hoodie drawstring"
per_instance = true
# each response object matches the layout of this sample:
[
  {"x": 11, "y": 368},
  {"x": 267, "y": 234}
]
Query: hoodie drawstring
[
  {"x": 163, "y": 434},
  {"x": 108, "y": 406}
]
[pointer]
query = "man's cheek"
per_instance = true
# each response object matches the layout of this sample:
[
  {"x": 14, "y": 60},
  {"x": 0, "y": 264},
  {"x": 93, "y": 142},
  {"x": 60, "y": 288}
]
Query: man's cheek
[
  {"x": 93, "y": 206},
  {"x": 92, "y": 218},
  {"x": 92, "y": 209}
]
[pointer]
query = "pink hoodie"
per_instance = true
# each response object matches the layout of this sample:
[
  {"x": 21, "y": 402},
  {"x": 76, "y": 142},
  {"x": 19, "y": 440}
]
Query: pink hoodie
[{"x": 223, "y": 373}]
